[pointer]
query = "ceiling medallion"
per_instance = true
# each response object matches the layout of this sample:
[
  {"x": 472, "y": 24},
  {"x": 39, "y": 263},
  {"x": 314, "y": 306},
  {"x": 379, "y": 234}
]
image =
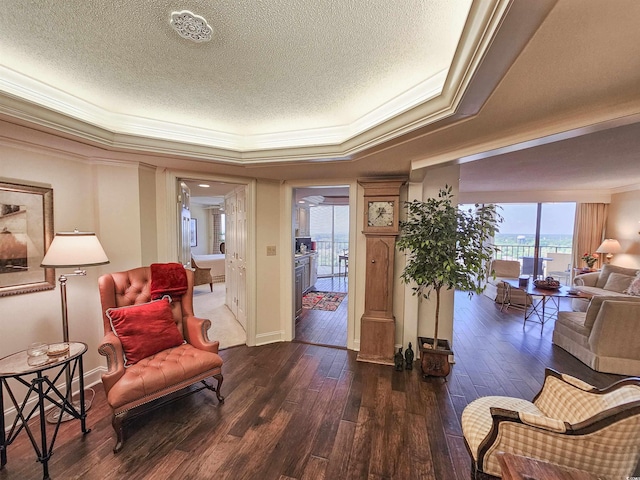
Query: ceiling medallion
[{"x": 190, "y": 26}]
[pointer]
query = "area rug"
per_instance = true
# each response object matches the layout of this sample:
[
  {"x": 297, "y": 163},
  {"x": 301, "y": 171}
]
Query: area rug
[
  {"x": 328, "y": 301},
  {"x": 224, "y": 326}
]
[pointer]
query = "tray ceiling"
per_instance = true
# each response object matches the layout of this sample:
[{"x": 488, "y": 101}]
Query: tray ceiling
[{"x": 279, "y": 80}]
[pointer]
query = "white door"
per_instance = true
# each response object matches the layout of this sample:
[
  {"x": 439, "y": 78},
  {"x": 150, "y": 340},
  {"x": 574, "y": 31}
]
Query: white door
[
  {"x": 231, "y": 277},
  {"x": 184, "y": 220},
  {"x": 241, "y": 255}
]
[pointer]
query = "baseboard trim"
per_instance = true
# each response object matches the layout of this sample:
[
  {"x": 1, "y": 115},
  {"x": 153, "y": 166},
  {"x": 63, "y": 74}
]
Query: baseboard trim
[{"x": 269, "y": 337}]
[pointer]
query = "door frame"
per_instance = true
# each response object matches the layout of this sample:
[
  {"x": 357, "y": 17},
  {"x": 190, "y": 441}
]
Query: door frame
[
  {"x": 288, "y": 297},
  {"x": 166, "y": 194}
]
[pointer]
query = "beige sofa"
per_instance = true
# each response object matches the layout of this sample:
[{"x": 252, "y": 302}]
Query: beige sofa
[
  {"x": 606, "y": 337},
  {"x": 612, "y": 281},
  {"x": 498, "y": 271}
]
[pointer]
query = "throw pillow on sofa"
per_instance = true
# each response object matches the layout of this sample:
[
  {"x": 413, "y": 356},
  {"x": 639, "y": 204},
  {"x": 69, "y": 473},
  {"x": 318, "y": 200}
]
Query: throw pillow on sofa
[
  {"x": 634, "y": 288},
  {"x": 145, "y": 329},
  {"x": 617, "y": 282},
  {"x": 608, "y": 269}
]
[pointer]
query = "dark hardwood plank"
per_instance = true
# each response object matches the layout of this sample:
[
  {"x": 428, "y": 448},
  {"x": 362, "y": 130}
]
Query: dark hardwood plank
[
  {"x": 299, "y": 412},
  {"x": 340, "y": 455},
  {"x": 325, "y": 327}
]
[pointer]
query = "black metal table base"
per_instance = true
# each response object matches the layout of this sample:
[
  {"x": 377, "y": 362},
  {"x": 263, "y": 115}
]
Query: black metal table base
[{"x": 45, "y": 389}]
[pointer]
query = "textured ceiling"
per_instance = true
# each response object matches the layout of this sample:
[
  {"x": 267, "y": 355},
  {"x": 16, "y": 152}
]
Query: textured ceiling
[
  {"x": 271, "y": 66},
  {"x": 558, "y": 111}
]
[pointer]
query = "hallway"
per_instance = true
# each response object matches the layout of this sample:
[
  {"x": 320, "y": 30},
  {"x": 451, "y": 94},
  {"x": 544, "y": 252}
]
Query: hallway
[{"x": 321, "y": 327}]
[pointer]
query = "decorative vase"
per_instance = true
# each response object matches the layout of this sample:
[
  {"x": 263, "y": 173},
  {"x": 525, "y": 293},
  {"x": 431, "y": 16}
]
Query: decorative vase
[{"x": 434, "y": 361}]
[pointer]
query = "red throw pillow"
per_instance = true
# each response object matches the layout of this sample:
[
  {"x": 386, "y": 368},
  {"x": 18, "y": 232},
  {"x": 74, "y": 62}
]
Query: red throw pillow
[{"x": 145, "y": 329}]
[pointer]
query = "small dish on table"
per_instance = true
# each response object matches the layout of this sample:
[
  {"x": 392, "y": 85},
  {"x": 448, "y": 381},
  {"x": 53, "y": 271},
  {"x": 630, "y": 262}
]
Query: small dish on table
[{"x": 57, "y": 349}]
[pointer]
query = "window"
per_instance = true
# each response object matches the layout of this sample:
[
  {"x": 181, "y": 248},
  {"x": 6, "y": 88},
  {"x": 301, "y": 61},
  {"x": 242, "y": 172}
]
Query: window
[
  {"x": 537, "y": 234},
  {"x": 329, "y": 228}
]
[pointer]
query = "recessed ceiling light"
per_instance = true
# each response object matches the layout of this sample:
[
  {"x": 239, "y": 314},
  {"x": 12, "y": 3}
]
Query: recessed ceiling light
[
  {"x": 191, "y": 26},
  {"x": 301, "y": 201},
  {"x": 203, "y": 185}
]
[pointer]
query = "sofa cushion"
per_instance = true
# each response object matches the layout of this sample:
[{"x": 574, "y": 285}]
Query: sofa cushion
[
  {"x": 571, "y": 325},
  {"x": 609, "y": 269},
  {"x": 145, "y": 329},
  {"x": 634, "y": 287},
  {"x": 618, "y": 282},
  {"x": 593, "y": 291}
]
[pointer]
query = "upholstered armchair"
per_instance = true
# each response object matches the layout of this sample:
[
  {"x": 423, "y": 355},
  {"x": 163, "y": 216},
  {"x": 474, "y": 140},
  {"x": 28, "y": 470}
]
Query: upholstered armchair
[
  {"x": 569, "y": 423},
  {"x": 153, "y": 348},
  {"x": 495, "y": 289},
  {"x": 202, "y": 276}
]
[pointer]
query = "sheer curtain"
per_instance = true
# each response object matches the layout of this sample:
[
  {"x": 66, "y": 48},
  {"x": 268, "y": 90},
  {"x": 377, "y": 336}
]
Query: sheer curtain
[{"x": 588, "y": 230}]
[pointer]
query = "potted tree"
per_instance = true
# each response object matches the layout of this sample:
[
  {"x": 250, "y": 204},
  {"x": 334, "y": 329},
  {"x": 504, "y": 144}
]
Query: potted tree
[{"x": 446, "y": 247}]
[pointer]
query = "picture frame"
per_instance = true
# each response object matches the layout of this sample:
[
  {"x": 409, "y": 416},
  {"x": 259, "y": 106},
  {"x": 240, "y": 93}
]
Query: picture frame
[
  {"x": 26, "y": 232},
  {"x": 194, "y": 232}
]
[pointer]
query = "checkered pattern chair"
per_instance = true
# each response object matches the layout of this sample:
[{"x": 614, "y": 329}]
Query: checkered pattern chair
[{"x": 569, "y": 423}]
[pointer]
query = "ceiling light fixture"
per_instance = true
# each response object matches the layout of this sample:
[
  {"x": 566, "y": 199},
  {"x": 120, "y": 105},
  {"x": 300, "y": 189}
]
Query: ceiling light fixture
[
  {"x": 204, "y": 185},
  {"x": 191, "y": 26}
]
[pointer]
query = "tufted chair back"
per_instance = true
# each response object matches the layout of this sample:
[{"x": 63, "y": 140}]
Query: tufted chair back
[{"x": 132, "y": 287}]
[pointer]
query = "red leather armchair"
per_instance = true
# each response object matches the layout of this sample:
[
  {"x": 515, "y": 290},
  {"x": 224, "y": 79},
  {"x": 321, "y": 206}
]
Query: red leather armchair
[{"x": 137, "y": 388}]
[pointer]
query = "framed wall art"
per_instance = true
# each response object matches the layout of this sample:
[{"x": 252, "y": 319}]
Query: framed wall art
[
  {"x": 194, "y": 232},
  {"x": 26, "y": 231}
]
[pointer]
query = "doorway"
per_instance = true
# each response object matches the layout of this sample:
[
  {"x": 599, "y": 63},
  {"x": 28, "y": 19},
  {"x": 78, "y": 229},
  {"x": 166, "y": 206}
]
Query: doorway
[
  {"x": 321, "y": 251},
  {"x": 212, "y": 241}
]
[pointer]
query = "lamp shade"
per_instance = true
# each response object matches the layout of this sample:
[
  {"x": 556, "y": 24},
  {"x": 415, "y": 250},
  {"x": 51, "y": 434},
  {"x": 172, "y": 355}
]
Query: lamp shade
[
  {"x": 74, "y": 249},
  {"x": 610, "y": 245}
]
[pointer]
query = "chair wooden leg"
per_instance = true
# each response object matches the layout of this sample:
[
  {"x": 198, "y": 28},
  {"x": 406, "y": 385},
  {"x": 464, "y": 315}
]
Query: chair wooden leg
[
  {"x": 211, "y": 287},
  {"x": 219, "y": 378},
  {"x": 118, "y": 425}
]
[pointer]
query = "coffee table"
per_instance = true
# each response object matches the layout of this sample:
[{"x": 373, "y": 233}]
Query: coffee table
[{"x": 540, "y": 297}]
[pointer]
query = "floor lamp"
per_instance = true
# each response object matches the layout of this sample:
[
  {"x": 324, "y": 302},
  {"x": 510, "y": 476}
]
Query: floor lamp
[{"x": 72, "y": 250}]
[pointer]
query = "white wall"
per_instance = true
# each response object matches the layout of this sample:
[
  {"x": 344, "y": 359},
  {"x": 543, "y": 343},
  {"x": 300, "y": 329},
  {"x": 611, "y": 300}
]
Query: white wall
[
  {"x": 202, "y": 216},
  {"x": 623, "y": 224},
  {"x": 148, "y": 222},
  {"x": 36, "y": 316},
  {"x": 270, "y": 269},
  {"x": 433, "y": 182},
  {"x": 90, "y": 193}
]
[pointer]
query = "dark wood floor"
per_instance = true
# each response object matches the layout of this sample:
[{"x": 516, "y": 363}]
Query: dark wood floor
[
  {"x": 300, "y": 411},
  {"x": 322, "y": 327}
]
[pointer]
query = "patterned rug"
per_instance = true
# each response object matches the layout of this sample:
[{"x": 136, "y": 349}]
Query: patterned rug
[{"x": 322, "y": 300}]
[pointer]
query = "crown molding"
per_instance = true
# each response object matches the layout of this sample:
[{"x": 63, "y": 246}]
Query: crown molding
[{"x": 37, "y": 104}]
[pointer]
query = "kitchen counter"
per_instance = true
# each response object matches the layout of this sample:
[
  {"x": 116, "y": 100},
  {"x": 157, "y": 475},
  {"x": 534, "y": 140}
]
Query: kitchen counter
[{"x": 306, "y": 274}]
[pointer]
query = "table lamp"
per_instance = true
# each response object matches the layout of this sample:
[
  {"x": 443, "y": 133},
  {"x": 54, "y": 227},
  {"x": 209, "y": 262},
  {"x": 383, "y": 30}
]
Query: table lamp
[
  {"x": 609, "y": 246},
  {"x": 72, "y": 250}
]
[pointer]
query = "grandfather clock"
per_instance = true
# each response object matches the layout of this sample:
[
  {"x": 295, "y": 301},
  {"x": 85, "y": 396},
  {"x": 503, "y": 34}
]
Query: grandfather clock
[{"x": 378, "y": 325}]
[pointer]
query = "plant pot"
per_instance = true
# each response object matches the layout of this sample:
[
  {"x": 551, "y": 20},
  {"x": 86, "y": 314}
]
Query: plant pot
[{"x": 434, "y": 361}]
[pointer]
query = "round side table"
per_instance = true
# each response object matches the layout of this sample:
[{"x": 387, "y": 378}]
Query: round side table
[{"x": 16, "y": 366}]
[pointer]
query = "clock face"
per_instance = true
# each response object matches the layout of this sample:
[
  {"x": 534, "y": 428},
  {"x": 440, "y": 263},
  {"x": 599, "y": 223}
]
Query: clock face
[{"x": 380, "y": 214}]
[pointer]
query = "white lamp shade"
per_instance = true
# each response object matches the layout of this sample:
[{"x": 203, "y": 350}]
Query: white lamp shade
[
  {"x": 74, "y": 249},
  {"x": 610, "y": 245}
]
